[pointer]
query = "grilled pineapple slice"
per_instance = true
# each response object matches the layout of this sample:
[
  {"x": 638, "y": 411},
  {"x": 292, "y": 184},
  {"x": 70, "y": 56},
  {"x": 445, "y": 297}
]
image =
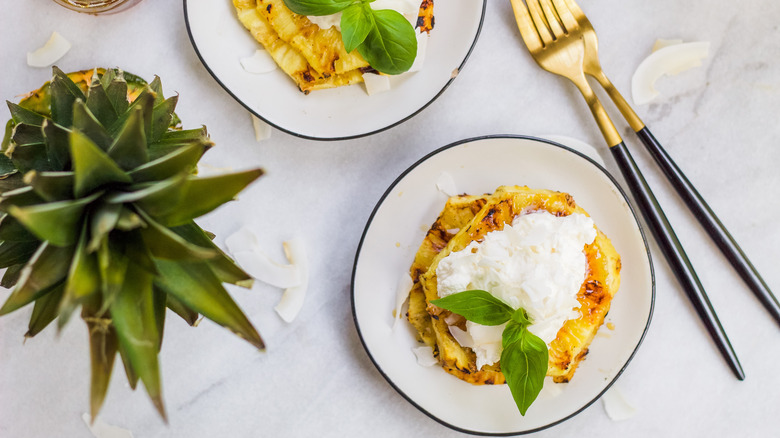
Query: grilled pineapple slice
[
  {"x": 314, "y": 58},
  {"x": 291, "y": 61},
  {"x": 474, "y": 217},
  {"x": 322, "y": 48}
]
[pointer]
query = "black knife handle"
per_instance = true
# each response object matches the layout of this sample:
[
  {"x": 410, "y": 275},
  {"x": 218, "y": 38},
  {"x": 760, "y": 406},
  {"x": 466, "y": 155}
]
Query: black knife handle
[
  {"x": 711, "y": 223},
  {"x": 675, "y": 254}
]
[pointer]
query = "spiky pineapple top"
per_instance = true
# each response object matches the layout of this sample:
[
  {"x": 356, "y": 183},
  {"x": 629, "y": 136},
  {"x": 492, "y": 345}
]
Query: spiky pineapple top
[{"x": 98, "y": 196}]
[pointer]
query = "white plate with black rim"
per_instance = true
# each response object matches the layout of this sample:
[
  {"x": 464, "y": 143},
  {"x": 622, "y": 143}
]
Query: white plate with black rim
[
  {"x": 340, "y": 113},
  {"x": 396, "y": 229}
]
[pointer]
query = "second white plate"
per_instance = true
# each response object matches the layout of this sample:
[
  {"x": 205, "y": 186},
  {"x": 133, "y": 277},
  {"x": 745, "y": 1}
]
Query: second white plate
[
  {"x": 341, "y": 113},
  {"x": 396, "y": 229}
]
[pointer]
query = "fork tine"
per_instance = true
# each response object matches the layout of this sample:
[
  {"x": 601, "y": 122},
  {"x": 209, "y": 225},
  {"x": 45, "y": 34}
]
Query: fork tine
[
  {"x": 565, "y": 14},
  {"x": 574, "y": 9},
  {"x": 552, "y": 18},
  {"x": 539, "y": 21},
  {"x": 526, "y": 26}
]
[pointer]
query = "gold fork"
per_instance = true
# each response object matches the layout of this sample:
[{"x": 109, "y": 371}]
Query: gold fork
[
  {"x": 568, "y": 10},
  {"x": 561, "y": 45}
]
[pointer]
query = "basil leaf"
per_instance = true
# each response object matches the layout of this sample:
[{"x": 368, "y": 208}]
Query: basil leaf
[
  {"x": 477, "y": 306},
  {"x": 524, "y": 364},
  {"x": 356, "y": 23},
  {"x": 511, "y": 333},
  {"x": 391, "y": 45},
  {"x": 521, "y": 317},
  {"x": 317, "y": 7}
]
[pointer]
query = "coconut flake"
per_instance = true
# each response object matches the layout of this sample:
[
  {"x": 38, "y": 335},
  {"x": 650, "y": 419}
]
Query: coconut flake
[
  {"x": 101, "y": 429},
  {"x": 261, "y": 267},
  {"x": 446, "y": 184},
  {"x": 376, "y": 83},
  {"x": 462, "y": 336},
  {"x": 669, "y": 60},
  {"x": 660, "y": 43},
  {"x": 424, "y": 356},
  {"x": 242, "y": 240},
  {"x": 616, "y": 405},
  {"x": 259, "y": 63},
  {"x": 293, "y": 297},
  {"x": 262, "y": 129},
  {"x": 54, "y": 49},
  {"x": 453, "y": 319}
]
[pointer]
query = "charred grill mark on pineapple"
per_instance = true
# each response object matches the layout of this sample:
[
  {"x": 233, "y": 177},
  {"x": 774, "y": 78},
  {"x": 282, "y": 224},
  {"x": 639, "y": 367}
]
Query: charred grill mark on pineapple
[{"x": 425, "y": 20}]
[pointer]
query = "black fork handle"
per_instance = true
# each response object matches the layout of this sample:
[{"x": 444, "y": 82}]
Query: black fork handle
[
  {"x": 711, "y": 224},
  {"x": 675, "y": 254}
]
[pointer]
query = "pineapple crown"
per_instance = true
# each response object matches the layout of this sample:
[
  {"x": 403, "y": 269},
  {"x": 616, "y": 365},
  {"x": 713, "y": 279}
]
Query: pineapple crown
[{"x": 98, "y": 196}]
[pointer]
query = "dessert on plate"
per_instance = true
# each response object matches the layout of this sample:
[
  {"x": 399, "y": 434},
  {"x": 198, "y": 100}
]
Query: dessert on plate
[
  {"x": 532, "y": 249},
  {"x": 314, "y": 55}
]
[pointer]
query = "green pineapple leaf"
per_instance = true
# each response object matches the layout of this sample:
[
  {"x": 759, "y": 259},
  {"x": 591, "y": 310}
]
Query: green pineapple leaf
[
  {"x": 23, "y": 115},
  {"x": 102, "y": 352},
  {"x": 129, "y": 221},
  {"x": 25, "y": 134},
  {"x": 100, "y": 104},
  {"x": 21, "y": 197},
  {"x": 223, "y": 266},
  {"x": 162, "y": 116},
  {"x": 159, "y": 305},
  {"x": 57, "y": 143},
  {"x": 6, "y": 167},
  {"x": 196, "y": 197},
  {"x": 188, "y": 315},
  {"x": 86, "y": 123},
  {"x": 51, "y": 186},
  {"x": 45, "y": 270},
  {"x": 44, "y": 311},
  {"x": 56, "y": 222},
  {"x": 180, "y": 160},
  {"x": 82, "y": 283},
  {"x": 103, "y": 220},
  {"x": 12, "y": 253},
  {"x": 11, "y": 182},
  {"x": 145, "y": 101},
  {"x": 31, "y": 157},
  {"x": 165, "y": 244},
  {"x": 195, "y": 285},
  {"x": 133, "y": 316},
  {"x": 12, "y": 231},
  {"x": 113, "y": 81},
  {"x": 129, "y": 148},
  {"x": 112, "y": 265},
  {"x": 64, "y": 93},
  {"x": 11, "y": 276},
  {"x": 93, "y": 167}
]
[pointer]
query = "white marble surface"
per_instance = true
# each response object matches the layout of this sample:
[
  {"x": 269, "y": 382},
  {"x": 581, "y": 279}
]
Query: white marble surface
[{"x": 718, "y": 122}]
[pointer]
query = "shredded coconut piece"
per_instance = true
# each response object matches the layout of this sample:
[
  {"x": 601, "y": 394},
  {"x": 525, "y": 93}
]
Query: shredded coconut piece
[
  {"x": 424, "y": 356},
  {"x": 101, "y": 429},
  {"x": 616, "y": 405},
  {"x": 292, "y": 299},
  {"x": 446, "y": 184},
  {"x": 262, "y": 130},
  {"x": 54, "y": 49},
  {"x": 670, "y": 60}
]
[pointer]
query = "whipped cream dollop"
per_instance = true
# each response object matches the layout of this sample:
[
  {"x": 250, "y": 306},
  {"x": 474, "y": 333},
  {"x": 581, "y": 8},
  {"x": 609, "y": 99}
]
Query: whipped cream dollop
[
  {"x": 536, "y": 262},
  {"x": 408, "y": 8}
]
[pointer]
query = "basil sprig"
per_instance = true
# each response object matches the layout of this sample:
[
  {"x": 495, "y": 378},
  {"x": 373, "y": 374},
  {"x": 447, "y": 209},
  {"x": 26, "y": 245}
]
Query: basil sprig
[
  {"x": 524, "y": 356},
  {"x": 383, "y": 37}
]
